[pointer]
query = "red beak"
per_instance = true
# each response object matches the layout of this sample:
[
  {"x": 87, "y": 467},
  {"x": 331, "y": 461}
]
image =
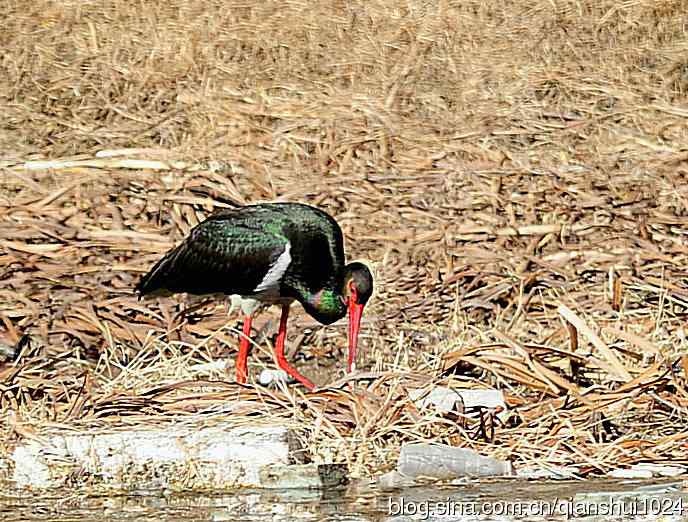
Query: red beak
[{"x": 355, "y": 313}]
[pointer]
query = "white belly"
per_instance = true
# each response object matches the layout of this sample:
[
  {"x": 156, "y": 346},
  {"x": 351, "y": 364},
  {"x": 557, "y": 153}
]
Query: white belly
[{"x": 250, "y": 304}]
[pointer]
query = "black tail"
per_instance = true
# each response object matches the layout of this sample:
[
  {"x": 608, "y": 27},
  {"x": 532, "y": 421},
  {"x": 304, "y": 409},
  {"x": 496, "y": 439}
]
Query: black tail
[{"x": 161, "y": 278}]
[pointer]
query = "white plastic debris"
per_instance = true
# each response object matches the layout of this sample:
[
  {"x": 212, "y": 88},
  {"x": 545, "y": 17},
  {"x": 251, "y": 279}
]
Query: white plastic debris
[
  {"x": 443, "y": 462},
  {"x": 662, "y": 470},
  {"x": 630, "y": 473},
  {"x": 648, "y": 470},
  {"x": 445, "y": 400},
  {"x": 273, "y": 376}
]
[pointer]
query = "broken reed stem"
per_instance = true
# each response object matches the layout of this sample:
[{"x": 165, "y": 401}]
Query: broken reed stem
[
  {"x": 573, "y": 336},
  {"x": 616, "y": 295},
  {"x": 615, "y": 367}
]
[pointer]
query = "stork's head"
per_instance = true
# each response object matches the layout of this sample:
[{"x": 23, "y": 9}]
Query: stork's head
[{"x": 358, "y": 287}]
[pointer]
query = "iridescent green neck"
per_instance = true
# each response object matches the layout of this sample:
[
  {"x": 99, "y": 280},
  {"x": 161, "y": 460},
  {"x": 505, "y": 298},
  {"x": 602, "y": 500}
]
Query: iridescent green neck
[{"x": 325, "y": 305}]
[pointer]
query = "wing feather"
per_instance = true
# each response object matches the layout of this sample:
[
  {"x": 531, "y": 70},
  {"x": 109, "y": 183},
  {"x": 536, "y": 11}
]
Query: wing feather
[{"x": 219, "y": 255}]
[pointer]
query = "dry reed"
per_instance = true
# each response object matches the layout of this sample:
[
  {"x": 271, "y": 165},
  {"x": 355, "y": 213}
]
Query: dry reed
[{"x": 515, "y": 172}]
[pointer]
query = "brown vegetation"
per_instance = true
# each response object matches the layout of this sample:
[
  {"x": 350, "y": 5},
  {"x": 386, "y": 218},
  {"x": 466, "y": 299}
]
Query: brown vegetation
[{"x": 515, "y": 172}]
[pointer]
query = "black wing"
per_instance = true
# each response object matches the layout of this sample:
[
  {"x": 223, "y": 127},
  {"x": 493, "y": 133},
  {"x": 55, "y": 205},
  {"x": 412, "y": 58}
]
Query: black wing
[{"x": 224, "y": 254}]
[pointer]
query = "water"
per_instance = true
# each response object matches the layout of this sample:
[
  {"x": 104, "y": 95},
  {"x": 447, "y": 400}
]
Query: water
[
  {"x": 634, "y": 500},
  {"x": 240, "y": 507}
]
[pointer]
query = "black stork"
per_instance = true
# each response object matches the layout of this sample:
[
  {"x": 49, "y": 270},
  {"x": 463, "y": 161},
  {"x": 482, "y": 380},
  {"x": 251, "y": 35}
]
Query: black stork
[{"x": 271, "y": 253}]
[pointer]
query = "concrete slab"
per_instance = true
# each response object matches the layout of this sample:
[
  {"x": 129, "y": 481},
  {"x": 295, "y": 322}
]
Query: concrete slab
[{"x": 180, "y": 456}]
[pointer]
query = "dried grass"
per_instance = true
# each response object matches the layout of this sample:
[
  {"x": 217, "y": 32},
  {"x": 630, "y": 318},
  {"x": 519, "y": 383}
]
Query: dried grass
[{"x": 516, "y": 173}]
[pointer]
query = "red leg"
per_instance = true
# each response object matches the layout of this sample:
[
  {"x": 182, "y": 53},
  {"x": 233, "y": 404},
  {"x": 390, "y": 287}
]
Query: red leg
[
  {"x": 279, "y": 351},
  {"x": 244, "y": 347}
]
